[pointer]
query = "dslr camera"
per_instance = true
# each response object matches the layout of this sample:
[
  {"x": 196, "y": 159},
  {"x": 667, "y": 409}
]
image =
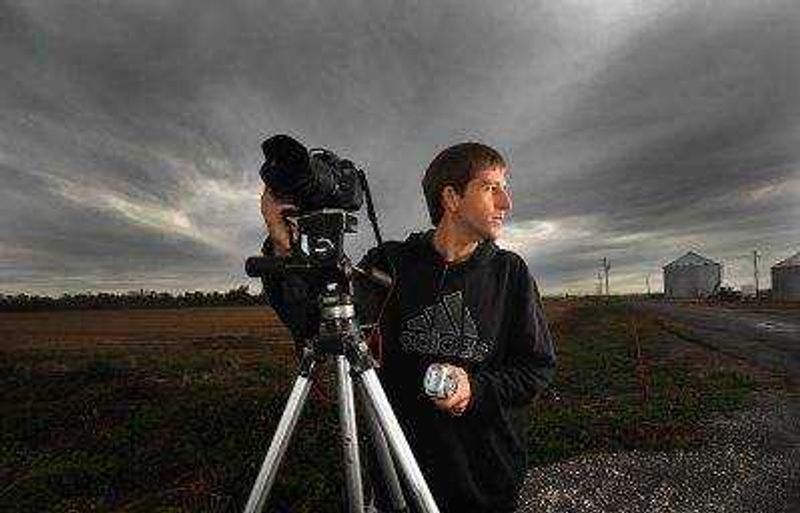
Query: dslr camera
[
  {"x": 312, "y": 180},
  {"x": 327, "y": 190}
]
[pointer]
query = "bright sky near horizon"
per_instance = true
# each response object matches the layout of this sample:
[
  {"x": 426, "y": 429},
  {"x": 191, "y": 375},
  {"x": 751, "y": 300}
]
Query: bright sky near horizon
[{"x": 636, "y": 131}]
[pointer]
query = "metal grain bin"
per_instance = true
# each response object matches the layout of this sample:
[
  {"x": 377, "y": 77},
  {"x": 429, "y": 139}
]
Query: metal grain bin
[
  {"x": 691, "y": 276},
  {"x": 786, "y": 279}
]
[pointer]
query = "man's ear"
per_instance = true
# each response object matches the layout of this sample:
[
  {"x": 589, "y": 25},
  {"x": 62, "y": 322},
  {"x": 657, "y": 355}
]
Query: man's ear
[{"x": 450, "y": 199}]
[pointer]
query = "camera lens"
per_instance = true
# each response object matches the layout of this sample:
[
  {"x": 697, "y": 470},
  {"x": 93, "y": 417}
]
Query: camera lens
[{"x": 285, "y": 167}]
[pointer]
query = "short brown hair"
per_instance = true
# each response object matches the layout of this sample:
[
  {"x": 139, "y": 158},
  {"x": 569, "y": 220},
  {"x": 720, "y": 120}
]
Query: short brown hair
[{"x": 456, "y": 166}]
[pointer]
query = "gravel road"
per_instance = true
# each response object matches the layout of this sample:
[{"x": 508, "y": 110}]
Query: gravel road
[{"x": 751, "y": 464}]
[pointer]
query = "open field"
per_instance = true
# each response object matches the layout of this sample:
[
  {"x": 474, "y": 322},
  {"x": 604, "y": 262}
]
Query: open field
[{"x": 172, "y": 410}]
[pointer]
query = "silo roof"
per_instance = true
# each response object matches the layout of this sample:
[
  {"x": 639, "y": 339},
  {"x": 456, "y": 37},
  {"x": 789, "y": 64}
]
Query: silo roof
[
  {"x": 792, "y": 261},
  {"x": 690, "y": 259}
]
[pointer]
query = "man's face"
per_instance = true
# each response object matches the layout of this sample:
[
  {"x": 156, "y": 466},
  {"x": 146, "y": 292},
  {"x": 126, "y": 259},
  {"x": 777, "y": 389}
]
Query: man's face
[{"x": 483, "y": 206}]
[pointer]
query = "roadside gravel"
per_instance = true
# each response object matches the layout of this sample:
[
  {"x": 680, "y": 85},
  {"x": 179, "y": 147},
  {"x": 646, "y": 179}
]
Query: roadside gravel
[{"x": 750, "y": 463}]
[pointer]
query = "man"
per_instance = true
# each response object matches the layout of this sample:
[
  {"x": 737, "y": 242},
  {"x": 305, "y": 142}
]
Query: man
[{"x": 458, "y": 300}]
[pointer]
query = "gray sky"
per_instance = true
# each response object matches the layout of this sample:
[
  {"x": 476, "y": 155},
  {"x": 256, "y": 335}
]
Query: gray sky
[{"x": 636, "y": 130}]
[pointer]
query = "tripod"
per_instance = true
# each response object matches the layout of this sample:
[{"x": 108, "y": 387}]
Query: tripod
[{"x": 340, "y": 338}]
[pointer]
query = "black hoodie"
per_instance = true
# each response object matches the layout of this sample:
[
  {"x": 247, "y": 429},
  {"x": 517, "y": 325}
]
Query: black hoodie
[{"x": 482, "y": 314}]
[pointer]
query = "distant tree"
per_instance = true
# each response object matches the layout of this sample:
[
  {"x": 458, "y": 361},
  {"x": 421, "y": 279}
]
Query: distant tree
[{"x": 132, "y": 299}]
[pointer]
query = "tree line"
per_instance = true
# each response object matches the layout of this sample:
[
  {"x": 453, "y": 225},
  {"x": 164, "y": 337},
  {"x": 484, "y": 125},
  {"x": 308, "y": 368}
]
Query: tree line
[{"x": 239, "y": 296}]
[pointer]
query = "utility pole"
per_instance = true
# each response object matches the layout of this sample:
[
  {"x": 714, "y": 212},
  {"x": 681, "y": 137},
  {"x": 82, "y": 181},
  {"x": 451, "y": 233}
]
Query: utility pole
[
  {"x": 755, "y": 269},
  {"x": 599, "y": 288},
  {"x": 647, "y": 283},
  {"x": 606, "y": 267}
]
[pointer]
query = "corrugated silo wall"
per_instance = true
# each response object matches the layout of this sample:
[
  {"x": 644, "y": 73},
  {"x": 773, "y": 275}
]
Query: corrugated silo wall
[
  {"x": 692, "y": 281},
  {"x": 786, "y": 283}
]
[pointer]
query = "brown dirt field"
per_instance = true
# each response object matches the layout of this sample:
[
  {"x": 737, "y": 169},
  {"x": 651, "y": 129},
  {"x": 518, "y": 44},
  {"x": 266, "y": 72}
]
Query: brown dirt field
[{"x": 79, "y": 329}]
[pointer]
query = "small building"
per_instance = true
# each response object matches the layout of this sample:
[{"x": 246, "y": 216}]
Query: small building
[
  {"x": 786, "y": 279},
  {"x": 692, "y": 276},
  {"x": 749, "y": 290}
]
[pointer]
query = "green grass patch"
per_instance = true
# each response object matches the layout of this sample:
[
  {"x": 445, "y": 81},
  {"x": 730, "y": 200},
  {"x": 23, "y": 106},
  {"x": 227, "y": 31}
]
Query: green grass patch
[
  {"x": 154, "y": 431},
  {"x": 617, "y": 389}
]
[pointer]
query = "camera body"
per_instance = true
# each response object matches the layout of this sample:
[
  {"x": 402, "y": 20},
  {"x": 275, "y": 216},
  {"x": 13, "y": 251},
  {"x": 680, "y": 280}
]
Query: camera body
[{"x": 311, "y": 180}]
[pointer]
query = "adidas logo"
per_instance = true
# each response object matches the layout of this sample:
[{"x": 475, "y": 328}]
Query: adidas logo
[{"x": 445, "y": 328}]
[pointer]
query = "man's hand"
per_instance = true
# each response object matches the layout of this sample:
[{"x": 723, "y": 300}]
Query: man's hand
[
  {"x": 457, "y": 403},
  {"x": 280, "y": 232}
]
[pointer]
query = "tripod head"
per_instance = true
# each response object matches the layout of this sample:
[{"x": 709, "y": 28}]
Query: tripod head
[{"x": 317, "y": 254}]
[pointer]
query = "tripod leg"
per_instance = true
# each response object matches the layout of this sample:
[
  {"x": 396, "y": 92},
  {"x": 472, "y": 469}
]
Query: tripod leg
[
  {"x": 347, "y": 422},
  {"x": 397, "y": 441},
  {"x": 280, "y": 441},
  {"x": 384, "y": 457}
]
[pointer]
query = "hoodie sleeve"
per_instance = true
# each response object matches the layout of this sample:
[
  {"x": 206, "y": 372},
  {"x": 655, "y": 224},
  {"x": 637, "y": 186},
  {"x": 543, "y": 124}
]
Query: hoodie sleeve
[
  {"x": 370, "y": 295},
  {"x": 292, "y": 299},
  {"x": 529, "y": 365}
]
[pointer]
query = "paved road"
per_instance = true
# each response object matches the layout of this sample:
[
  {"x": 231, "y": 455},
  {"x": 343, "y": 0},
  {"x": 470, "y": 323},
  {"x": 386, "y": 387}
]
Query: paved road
[{"x": 768, "y": 337}]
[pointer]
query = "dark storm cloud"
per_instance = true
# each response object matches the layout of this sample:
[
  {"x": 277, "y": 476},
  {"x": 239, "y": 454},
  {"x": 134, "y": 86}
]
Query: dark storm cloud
[
  {"x": 56, "y": 239},
  {"x": 689, "y": 119},
  {"x": 695, "y": 106},
  {"x": 130, "y": 131},
  {"x": 142, "y": 103}
]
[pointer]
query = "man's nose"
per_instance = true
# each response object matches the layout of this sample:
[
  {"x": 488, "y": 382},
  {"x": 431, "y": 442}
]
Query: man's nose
[{"x": 503, "y": 201}]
